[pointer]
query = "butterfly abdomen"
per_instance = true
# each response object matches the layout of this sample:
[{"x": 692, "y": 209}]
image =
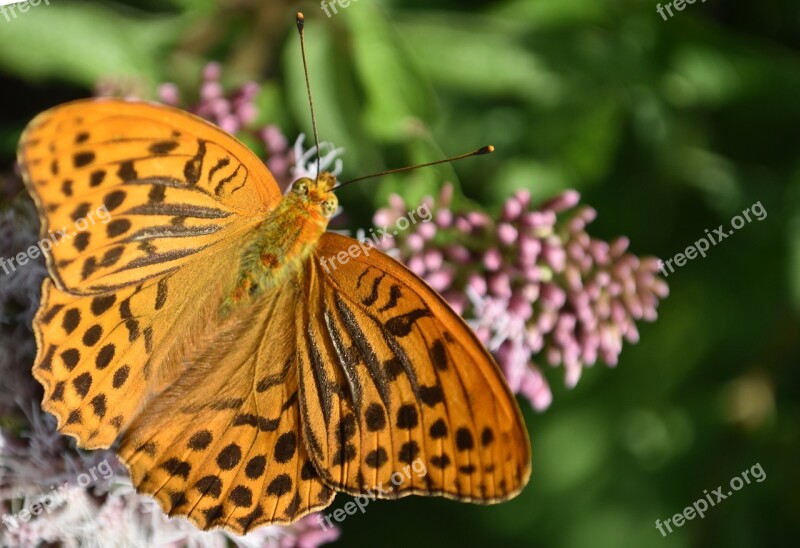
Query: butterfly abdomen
[{"x": 279, "y": 245}]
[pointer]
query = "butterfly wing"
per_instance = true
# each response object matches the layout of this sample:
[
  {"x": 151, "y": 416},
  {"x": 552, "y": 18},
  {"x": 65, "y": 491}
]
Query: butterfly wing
[
  {"x": 129, "y": 334},
  {"x": 130, "y": 293},
  {"x": 132, "y": 190},
  {"x": 100, "y": 358},
  {"x": 223, "y": 445},
  {"x": 390, "y": 374}
]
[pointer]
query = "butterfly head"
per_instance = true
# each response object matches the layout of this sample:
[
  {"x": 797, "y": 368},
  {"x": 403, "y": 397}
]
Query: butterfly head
[{"x": 317, "y": 194}]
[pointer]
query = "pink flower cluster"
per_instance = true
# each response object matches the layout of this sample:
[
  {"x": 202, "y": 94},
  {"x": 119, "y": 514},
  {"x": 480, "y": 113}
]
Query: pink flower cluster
[
  {"x": 232, "y": 111},
  {"x": 535, "y": 286}
]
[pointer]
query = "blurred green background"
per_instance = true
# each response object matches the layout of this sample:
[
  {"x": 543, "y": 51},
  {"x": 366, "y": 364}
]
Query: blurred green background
[{"x": 667, "y": 128}]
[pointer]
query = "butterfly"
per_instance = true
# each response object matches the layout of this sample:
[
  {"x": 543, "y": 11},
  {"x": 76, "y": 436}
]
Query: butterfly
[{"x": 245, "y": 382}]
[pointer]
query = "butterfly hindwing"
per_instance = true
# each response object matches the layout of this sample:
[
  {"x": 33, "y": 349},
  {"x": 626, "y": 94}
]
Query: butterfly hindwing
[
  {"x": 223, "y": 445},
  {"x": 390, "y": 375},
  {"x": 101, "y": 357},
  {"x": 133, "y": 190}
]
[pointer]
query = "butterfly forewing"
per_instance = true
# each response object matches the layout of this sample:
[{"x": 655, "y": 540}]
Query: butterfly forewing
[
  {"x": 389, "y": 375},
  {"x": 132, "y": 190}
]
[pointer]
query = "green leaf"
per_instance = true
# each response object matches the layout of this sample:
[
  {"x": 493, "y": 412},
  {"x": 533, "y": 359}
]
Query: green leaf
[
  {"x": 552, "y": 14},
  {"x": 396, "y": 94},
  {"x": 335, "y": 102},
  {"x": 81, "y": 43},
  {"x": 478, "y": 58}
]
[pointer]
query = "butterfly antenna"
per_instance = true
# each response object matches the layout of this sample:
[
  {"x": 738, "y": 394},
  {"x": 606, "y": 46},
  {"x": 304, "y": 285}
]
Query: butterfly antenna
[
  {"x": 301, "y": 24},
  {"x": 485, "y": 150}
]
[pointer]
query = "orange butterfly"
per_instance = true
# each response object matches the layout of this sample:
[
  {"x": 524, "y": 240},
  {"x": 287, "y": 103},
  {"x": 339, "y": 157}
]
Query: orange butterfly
[{"x": 248, "y": 384}]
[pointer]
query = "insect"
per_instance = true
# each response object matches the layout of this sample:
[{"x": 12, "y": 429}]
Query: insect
[{"x": 246, "y": 384}]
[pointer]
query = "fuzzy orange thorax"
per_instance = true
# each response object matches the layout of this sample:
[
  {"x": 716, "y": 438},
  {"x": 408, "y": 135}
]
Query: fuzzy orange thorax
[{"x": 286, "y": 237}]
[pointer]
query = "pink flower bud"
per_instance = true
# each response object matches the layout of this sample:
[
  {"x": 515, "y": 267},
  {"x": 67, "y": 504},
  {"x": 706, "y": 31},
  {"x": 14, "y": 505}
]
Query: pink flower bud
[
  {"x": 384, "y": 217},
  {"x": 416, "y": 265},
  {"x": 210, "y": 91},
  {"x": 507, "y": 234},
  {"x": 555, "y": 257},
  {"x": 500, "y": 285},
  {"x": 493, "y": 259},
  {"x": 415, "y": 243},
  {"x": 274, "y": 140},
  {"x": 478, "y": 284},
  {"x": 397, "y": 204},
  {"x": 564, "y": 201},
  {"x": 478, "y": 219},
  {"x": 444, "y": 218},
  {"x": 229, "y": 124},
  {"x": 546, "y": 321},
  {"x": 535, "y": 388},
  {"x": 539, "y": 219},
  {"x": 520, "y": 307},
  {"x": 512, "y": 209},
  {"x": 572, "y": 374},
  {"x": 169, "y": 94},
  {"x": 440, "y": 280},
  {"x": 523, "y": 196},
  {"x": 532, "y": 274},
  {"x": 446, "y": 195},
  {"x": 600, "y": 252},
  {"x": 463, "y": 225},
  {"x": 426, "y": 230},
  {"x": 553, "y": 297},
  {"x": 433, "y": 259},
  {"x": 458, "y": 254},
  {"x": 619, "y": 246},
  {"x": 212, "y": 71},
  {"x": 529, "y": 248},
  {"x": 246, "y": 113}
]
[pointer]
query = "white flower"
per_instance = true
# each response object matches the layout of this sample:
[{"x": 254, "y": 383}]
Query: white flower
[{"x": 306, "y": 160}]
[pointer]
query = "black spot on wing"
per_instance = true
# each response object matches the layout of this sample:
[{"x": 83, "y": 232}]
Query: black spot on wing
[
  {"x": 162, "y": 148},
  {"x": 395, "y": 294},
  {"x": 401, "y": 326},
  {"x": 194, "y": 167},
  {"x": 373, "y": 297}
]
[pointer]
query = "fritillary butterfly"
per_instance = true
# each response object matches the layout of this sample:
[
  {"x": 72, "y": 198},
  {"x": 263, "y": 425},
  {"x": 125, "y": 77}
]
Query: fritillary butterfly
[{"x": 247, "y": 383}]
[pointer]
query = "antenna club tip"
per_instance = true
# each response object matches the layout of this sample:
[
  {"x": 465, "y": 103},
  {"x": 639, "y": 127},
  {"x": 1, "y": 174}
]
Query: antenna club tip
[
  {"x": 488, "y": 149},
  {"x": 301, "y": 20}
]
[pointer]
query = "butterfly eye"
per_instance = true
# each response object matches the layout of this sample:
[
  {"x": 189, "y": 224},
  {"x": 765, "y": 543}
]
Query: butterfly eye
[
  {"x": 329, "y": 207},
  {"x": 300, "y": 186}
]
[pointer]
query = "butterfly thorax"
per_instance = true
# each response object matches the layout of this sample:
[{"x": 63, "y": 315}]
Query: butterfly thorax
[{"x": 286, "y": 238}]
